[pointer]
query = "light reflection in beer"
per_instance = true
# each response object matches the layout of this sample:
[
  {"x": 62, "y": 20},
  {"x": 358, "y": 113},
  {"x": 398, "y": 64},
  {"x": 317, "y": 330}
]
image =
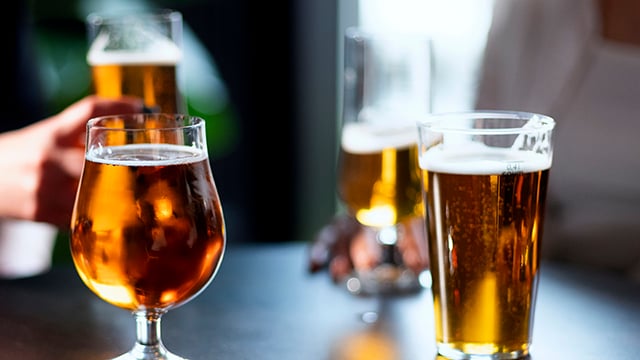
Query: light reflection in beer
[
  {"x": 163, "y": 208},
  {"x": 118, "y": 294},
  {"x": 379, "y": 178},
  {"x": 439, "y": 268},
  {"x": 377, "y": 216},
  {"x": 169, "y": 297}
]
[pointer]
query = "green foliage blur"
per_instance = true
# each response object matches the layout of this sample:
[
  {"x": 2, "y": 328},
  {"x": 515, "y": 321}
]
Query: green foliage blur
[{"x": 61, "y": 46}]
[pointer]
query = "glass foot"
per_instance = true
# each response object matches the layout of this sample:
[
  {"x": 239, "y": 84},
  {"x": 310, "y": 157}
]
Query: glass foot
[
  {"x": 142, "y": 352},
  {"x": 385, "y": 279},
  {"x": 456, "y": 354}
]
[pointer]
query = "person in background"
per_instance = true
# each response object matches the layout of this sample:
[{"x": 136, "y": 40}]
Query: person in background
[
  {"x": 579, "y": 62},
  {"x": 40, "y": 160},
  {"x": 41, "y": 165}
]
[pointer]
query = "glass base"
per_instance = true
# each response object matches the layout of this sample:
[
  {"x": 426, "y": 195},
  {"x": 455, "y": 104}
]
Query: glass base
[
  {"x": 456, "y": 354},
  {"x": 142, "y": 352},
  {"x": 385, "y": 279}
]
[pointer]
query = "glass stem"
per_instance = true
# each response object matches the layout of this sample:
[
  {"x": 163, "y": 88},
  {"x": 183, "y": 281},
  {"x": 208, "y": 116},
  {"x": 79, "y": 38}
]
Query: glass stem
[
  {"x": 387, "y": 237},
  {"x": 148, "y": 331},
  {"x": 148, "y": 336}
]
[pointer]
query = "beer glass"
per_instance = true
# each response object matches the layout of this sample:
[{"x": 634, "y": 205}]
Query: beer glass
[
  {"x": 485, "y": 177},
  {"x": 386, "y": 87},
  {"x": 137, "y": 54},
  {"x": 147, "y": 229}
]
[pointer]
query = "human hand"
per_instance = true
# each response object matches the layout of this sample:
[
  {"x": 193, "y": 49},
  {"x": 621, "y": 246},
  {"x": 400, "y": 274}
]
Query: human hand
[
  {"x": 41, "y": 163},
  {"x": 344, "y": 245}
]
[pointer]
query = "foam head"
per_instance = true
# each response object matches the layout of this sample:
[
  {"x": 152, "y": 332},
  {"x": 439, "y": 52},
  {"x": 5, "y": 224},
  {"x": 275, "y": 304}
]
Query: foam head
[
  {"x": 155, "y": 49},
  {"x": 362, "y": 138},
  {"x": 475, "y": 158}
]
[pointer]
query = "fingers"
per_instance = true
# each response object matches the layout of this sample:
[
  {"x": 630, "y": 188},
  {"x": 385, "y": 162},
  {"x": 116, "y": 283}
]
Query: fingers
[
  {"x": 331, "y": 247},
  {"x": 70, "y": 124},
  {"x": 69, "y": 160},
  {"x": 413, "y": 245},
  {"x": 344, "y": 245},
  {"x": 123, "y": 105},
  {"x": 339, "y": 267},
  {"x": 91, "y": 106},
  {"x": 365, "y": 250},
  {"x": 320, "y": 250},
  {"x": 61, "y": 156},
  {"x": 330, "y": 250},
  {"x": 55, "y": 193}
]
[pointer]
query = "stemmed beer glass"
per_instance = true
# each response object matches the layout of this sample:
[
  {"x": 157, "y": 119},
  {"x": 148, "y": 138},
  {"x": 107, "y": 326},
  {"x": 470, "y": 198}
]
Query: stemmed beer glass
[{"x": 147, "y": 229}]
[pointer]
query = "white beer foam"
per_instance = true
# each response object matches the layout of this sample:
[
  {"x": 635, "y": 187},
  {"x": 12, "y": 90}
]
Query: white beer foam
[
  {"x": 141, "y": 154},
  {"x": 478, "y": 159},
  {"x": 161, "y": 52},
  {"x": 365, "y": 138}
]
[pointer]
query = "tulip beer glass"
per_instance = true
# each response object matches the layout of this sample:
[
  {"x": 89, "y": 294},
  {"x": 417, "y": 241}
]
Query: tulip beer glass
[
  {"x": 137, "y": 54},
  {"x": 147, "y": 229},
  {"x": 485, "y": 177}
]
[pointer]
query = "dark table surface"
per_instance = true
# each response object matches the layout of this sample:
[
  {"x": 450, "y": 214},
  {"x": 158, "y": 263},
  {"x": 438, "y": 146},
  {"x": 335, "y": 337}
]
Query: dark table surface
[{"x": 264, "y": 305}]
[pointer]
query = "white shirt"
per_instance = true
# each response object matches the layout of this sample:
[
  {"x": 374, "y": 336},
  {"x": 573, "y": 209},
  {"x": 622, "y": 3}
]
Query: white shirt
[{"x": 547, "y": 56}]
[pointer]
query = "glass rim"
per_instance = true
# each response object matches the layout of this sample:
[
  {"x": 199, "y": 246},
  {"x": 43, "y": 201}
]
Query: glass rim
[
  {"x": 196, "y": 121},
  {"x": 123, "y": 16},
  {"x": 532, "y": 122},
  {"x": 356, "y": 33}
]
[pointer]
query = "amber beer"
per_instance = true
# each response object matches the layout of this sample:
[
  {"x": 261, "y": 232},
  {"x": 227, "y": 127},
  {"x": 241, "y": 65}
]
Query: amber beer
[
  {"x": 379, "y": 178},
  {"x": 160, "y": 241},
  {"x": 484, "y": 224},
  {"x": 150, "y": 74}
]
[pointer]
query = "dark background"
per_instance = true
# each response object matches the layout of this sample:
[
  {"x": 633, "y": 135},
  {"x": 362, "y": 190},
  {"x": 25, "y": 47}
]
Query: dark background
[{"x": 253, "y": 45}]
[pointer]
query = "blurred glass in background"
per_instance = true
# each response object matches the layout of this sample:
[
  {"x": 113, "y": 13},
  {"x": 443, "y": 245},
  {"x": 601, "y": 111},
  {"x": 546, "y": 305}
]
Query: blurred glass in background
[{"x": 61, "y": 38}]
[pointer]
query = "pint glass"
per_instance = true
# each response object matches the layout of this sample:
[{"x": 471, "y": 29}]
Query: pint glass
[
  {"x": 484, "y": 181},
  {"x": 137, "y": 55}
]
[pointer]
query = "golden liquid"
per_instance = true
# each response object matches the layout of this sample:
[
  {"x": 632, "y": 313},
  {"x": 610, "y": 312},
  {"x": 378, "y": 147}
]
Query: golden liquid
[
  {"x": 484, "y": 240},
  {"x": 156, "y": 84},
  {"x": 381, "y": 188},
  {"x": 147, "y": 236}
]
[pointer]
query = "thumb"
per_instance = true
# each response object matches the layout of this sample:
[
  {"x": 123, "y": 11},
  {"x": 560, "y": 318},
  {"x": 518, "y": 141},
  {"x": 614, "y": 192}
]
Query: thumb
[{"x": 70, "y": 124}]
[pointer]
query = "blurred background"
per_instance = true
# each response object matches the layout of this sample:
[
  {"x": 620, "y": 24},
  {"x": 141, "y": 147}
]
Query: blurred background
[{"x": 266, "y": 76}]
